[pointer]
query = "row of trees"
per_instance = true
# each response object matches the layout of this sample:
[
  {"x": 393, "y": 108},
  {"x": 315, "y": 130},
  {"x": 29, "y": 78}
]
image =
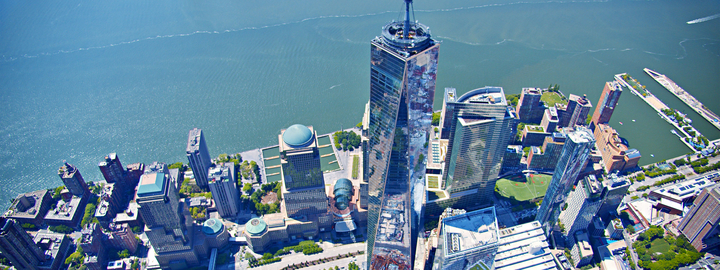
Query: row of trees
[
  {"x": 654, "y": 171},
  {"x": 703, "y": 169}
]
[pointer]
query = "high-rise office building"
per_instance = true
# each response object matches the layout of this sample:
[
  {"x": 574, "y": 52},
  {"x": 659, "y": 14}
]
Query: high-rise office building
[
  {"x": 18, "y": 246},
  {"x": 303, "y": 188},
  {"x": 583, "y": 203},
  {"x": 572, "y": 161},
  {"x": 198, "y": 157},
  {"x": 606, "y": 105},
  {"x": 403, "y": 68},
  {"x": 448, "y": 112},
  {"x": 529, "y": 108},
  {"x": 113, "y": 170},
  {"x": 224, "y": 189},
  {"x": 480, "y": 128},
  {"x": 158, "y": 202},
  {"x": 700, "y": 224},
  {"x": 73, "y": 180},
  {"x": 617, "y": 187},
  {"x": 165, "y": 226}
]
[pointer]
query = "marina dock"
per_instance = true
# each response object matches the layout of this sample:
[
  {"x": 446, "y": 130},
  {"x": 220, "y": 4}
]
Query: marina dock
[
  {"x": 683, "y": 95},
  {"x": 658, "y": 106}
]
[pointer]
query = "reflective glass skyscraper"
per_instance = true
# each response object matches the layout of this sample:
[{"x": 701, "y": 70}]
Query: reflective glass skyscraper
[
  {"x": 572, "y": 160},
  {"x": 403, "y": 66},
  {"x": 480, "y": 125}
]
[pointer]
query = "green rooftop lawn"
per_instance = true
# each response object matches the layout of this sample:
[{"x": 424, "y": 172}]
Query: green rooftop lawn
[
  {"x": 433, "y": 181},
  {"x": 523, "y": 189},
  {"x": 550, "y": 98}
]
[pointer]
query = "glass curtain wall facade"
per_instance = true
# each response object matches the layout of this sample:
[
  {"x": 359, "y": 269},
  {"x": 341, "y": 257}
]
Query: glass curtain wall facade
[
  {"x": 571, "y": 162},
  {"x": 402, "y": 88},
  {"x": 480, "y": 130}
]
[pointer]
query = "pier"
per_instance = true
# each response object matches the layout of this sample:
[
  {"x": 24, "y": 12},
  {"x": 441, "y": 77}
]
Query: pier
[
  {"x": 658, "y": 106},
  {"x": 683, "y": 95}
]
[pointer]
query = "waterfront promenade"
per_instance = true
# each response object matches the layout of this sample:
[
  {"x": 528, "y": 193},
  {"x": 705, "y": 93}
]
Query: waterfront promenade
[
  {"x": 658, "y": 106},
  {"x": 683, "y": 95}
]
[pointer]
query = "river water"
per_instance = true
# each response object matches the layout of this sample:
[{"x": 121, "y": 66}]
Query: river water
[{"x": 80, "y": 79}]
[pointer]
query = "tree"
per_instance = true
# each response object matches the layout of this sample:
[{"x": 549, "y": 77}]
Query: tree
[
  {"x": 435, "y": 119},
  {"x": 247, "y": 188},
  {"x": 176, "y": 165},
  {"x": 56, "y": 194},
  {"x": 61, "y": 229},
  {"x": 512, "y": 99},
  {"x": 76, "y": 257},
  {"x": 124, "y": 254},
  {"x": 630, "y": 229}
]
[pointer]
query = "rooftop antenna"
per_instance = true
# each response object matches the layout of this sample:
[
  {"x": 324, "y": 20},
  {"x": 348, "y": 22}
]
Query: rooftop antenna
[{"x": 406, "y": 25}]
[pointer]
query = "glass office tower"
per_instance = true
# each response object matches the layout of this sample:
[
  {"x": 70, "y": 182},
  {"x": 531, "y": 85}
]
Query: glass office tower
[
  {"x": 402, "y": 88},
  {"x": 480, "y": 129},
  {"x": 572, "y": 161}
]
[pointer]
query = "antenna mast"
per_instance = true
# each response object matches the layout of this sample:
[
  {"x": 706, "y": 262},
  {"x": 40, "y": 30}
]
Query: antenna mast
[{"x": 406, "y": 26}]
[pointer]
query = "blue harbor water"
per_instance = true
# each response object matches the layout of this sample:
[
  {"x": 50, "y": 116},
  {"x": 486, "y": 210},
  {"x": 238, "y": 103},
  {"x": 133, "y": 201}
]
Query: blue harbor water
[{"x": 81, "y": 79}]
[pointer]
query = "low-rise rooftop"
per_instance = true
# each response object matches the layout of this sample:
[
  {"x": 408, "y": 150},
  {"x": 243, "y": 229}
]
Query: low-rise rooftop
[
  {"x": 470, "y": 231},
  {"x": 523, "y": 247}
]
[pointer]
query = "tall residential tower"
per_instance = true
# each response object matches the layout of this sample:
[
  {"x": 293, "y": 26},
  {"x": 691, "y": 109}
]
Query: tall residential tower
[
  {"x": 606, "y": 105},
  {"x": 198, "y": 157},
  {"x": 112, "y": 169},
  {"x": 403, "y": 67},
  {"x": 73, "y": 180},
  {"x": 224, "y": 190},
  {"x": 18, "y": 246}
]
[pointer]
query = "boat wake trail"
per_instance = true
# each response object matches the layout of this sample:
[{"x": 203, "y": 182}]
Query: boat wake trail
[
  {"x": 704, "y": 19},
  {"x": 65, "y": 51}
]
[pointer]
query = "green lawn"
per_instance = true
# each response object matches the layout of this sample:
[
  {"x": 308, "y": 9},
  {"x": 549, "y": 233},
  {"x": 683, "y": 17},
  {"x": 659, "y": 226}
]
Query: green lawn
[
  {"x": 524, "y": 189},
  {"x": 659, "y": 245},
  {"x": 433, "y": 181},
  {"x": 550, "y": 98},
  {"x": 356, "y": 164}
]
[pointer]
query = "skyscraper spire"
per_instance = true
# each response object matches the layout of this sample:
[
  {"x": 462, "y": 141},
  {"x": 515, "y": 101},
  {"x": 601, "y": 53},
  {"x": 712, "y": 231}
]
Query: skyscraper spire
[
  {"x": 406, "y": 25},
  {"x": 403, "y": 65}
]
